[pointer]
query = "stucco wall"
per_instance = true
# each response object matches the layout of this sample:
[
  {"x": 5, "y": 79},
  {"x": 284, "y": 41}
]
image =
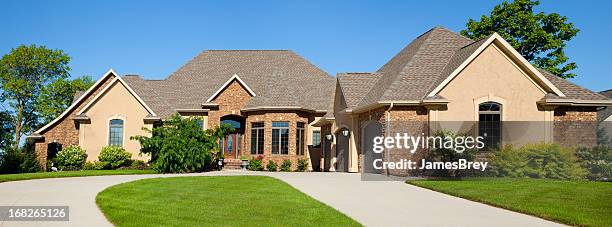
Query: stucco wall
[
  {"x": 116, "y": 103},
  {"x": 492, "y": 77},
  {"x": 66, "y": 131}
]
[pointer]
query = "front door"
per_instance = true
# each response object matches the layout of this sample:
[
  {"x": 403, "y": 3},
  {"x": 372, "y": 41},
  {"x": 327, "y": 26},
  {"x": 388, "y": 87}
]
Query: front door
[{"x": 231, "y": 146}]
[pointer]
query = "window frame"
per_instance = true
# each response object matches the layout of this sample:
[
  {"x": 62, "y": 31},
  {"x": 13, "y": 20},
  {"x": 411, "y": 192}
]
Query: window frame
[
  {"x": 317, "y": 145},
  {"x": 281, "y": 150},
  {"x": 259, "y": 142},
  {"x": 300, "y": 138},
  {"x": 111, "y": 136},
  {"x": 498, "y": 138}
]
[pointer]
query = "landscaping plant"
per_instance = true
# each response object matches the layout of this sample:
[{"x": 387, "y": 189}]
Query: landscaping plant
[
  {"x": 180, "y": 145},
  {"x": 256, "y": 164},
  {"x": 598, "y": 161},
  {"x": 302, "y": 165},
  {"x": 539, "y": 160},
  {"x": 286, "y": 166},
  {"x": 272, "y": 166},
  {"x": 71, "y": 158},
  {"x": 114, "y": 156},
  {"x": 138, "y": 164}
]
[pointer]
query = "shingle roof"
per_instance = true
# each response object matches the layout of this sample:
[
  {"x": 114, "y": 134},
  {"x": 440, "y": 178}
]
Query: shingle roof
[
  {"x": 424, "y": 64},
  {"x": 604, "y": 114},
  {"x": 413, "y": 72},
  {"x": 355, "y": 85},
  {"x": 571, "y": 90},
  {"x": 279, "y": 78}
]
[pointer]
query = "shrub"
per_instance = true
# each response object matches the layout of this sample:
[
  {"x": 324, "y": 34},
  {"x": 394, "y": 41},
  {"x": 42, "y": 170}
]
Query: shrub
[
  {"x": 286, "y": 166},
  {"x": 180, "y": 145},
  {"x": 14, "y": 160},
  {"x": 256, "y": 164},
  {"x": 598, "y": 161},
  {"x": 302, "y": 165},
  {"x": 272, "y": 166},
  {"x": 71, "y": 158},
  {"x": 439, "y": 153},
  {"x": 98, "y": 165},
  {"x": 540, "y": 160},
  {"x": 138, "y": 164},
  {"x": 114, "y": 156},
  {"x": 89, "y": 166}
]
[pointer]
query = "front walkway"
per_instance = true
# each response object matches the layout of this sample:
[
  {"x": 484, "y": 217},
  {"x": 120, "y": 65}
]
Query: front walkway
[{"x": 372, "y": 203}]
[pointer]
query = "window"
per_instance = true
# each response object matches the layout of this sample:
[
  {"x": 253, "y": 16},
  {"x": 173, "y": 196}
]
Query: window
[
  {"x": 280, "y": 137},
  {"x": 489, "y": 124},
  {"x": 316, "y": 138},
  {"x": 257, "y": 137},
  {"x": 299, "y": 139},
  {"x": 115, "y": 134},
  {"x": 200, "y": 123}
]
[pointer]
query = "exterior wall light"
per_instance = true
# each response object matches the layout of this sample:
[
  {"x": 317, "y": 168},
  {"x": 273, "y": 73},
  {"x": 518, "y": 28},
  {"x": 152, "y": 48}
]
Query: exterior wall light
[
  {"x": 328, "y": 137},
  {"x": 345, "y": 132}
]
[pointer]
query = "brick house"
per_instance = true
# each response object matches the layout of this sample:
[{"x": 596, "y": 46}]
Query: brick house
[
  {"x": 284, "y": 107},
  {"x": 270, "y": 97},
  {"x": 442, "y": 80}
]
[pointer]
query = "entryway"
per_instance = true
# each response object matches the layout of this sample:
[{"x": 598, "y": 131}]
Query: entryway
[{"x": 231, "y": 145}]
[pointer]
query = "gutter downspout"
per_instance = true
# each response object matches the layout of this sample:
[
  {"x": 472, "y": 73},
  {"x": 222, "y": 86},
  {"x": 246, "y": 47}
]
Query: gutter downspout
[{"x": 388, "y": 157}]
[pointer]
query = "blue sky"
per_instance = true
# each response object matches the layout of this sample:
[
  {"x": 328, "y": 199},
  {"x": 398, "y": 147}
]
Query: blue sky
[{"x": 154, "y": 38}]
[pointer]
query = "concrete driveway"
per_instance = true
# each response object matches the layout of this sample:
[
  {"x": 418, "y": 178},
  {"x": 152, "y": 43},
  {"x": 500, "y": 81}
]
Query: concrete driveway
[{"x": 372, "y": 203}]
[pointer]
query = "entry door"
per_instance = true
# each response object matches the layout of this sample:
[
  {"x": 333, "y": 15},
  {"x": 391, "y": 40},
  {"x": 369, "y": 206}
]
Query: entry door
[
  {"x": 231, "y": 146},
  {"x": 342, "y": 152}
]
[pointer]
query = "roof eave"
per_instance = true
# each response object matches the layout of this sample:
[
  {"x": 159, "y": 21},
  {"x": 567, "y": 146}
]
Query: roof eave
[{"x": 575, "y": 102}]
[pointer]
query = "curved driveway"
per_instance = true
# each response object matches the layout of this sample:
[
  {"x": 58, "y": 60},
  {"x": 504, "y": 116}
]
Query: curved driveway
[{"x": 372, "y": 203}]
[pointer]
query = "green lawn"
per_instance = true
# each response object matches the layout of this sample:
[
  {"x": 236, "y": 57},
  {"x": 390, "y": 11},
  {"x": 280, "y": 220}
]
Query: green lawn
[
  {"x": 82, "y": 173},
  {"x": 215, "y": 201},
  {"x": 571, "y": 202}
]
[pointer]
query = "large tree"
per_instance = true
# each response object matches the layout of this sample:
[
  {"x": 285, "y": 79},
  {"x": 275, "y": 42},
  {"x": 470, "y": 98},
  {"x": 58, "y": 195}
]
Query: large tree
[
  {"x": 24, "y": 72},
  {"x": 6, "y": 130},
  {"x": 539, "y": 37},
  {"x": 56, "y": 96}
]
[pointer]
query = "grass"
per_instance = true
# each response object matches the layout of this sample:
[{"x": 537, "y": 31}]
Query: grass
[
  {"x": 81, "y": 173},
  {"x": 579, "y": 203},
  {"x": 215, "y": 201}
]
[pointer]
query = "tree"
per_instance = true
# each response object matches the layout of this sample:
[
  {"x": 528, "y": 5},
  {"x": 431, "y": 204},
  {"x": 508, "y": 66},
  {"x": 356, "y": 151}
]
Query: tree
[
  {"x": 56, "y": 96},
  {"x": 24, "y": 72},
  {"x": 539, "y": 37},
  {"x": 6, "y": 130}
]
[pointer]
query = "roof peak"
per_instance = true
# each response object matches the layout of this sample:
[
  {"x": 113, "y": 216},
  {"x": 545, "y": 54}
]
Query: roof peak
[{"x": 249, "y": 50}]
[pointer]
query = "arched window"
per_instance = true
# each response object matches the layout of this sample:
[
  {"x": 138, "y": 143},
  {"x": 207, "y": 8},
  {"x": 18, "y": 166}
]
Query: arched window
[
  {"x": 115, "y": 132},
  {"x": 489, "y": 124}
]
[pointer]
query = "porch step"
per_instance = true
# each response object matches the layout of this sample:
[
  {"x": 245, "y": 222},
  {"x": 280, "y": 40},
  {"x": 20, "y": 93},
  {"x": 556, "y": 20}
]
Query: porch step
[{"x": 230, "y": 164}]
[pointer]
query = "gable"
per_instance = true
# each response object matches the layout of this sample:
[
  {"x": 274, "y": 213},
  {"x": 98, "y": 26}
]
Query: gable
[
  {"x": 493, "y": 71},
  {"x": 492, "y": 76},
  {"x": 234, "y": 79},
  {"x": 234, "y": 96},
  {"x": 116, "y": 98},
  {"x": 80, "y": 102},
  {"x": 510, "y": 53}
]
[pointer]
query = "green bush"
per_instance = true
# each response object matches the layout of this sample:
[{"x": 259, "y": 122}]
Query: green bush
[
  {"x": 302, "y": 165},
  {"x": 71, "y": 158},
  {"x": 98, "y": 165},
  {"x": 598, "y": 161},
  {"x": 89, "y": 166},
  {"x": 539, "y": 160},
  {"x": 14, "y": 160},
  {"x": 180, "y": 145},
  {"x": 272, "y": 166},
  {"x": 439, "y": 153},
  {"x": 114, "y": 156},
  {"x": 138, "y": 164},
  {"x": 286, "y": 166},
  {"x": 255, "y": 164}
]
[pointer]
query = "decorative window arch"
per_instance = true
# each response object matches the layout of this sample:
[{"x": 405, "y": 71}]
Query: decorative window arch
[
  {"x": 115, "y": 132},
  {"x": 490, "y": 123}
]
